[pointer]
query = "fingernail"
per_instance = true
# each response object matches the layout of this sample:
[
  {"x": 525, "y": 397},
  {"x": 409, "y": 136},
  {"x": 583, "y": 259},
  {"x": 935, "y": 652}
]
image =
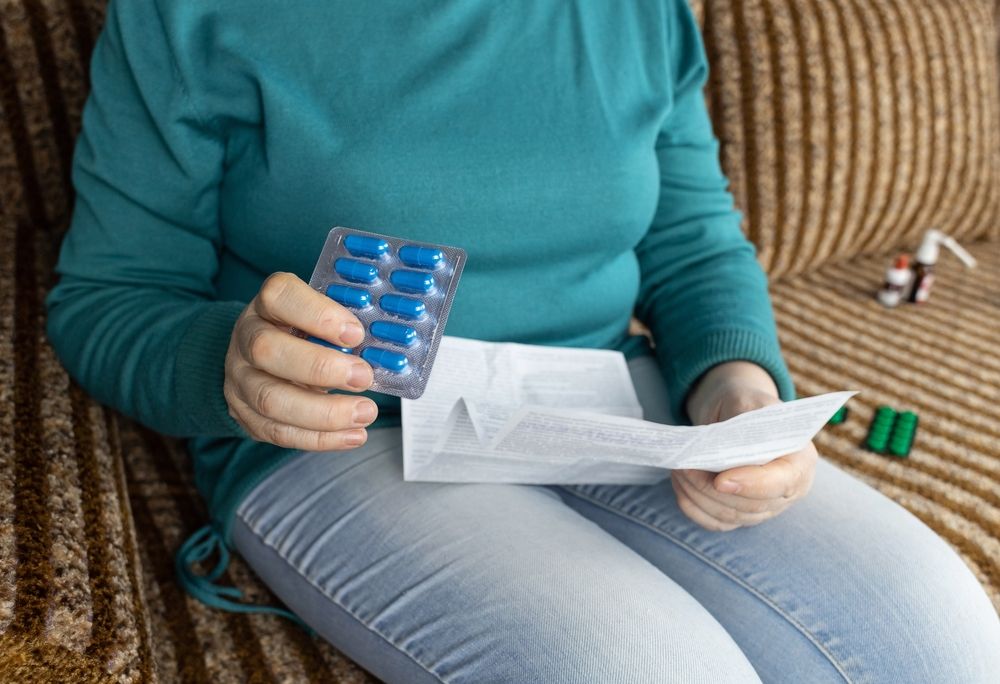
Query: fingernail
[
  {"x": 360, "y": 377},
  {"x": 364, "y": 412},
  {"x": 351, "y": 333},
  {"x": 728, "y": 486},
  {"x": 355, "y": 437}
]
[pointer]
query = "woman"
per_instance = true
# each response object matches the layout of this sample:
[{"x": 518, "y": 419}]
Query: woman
[{"x": 566, "y": 146}]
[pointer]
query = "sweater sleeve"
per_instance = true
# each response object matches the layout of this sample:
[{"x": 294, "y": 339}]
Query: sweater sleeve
[
  {"x": 134, "y": 316},
  {"x": 703, "y": 295}
]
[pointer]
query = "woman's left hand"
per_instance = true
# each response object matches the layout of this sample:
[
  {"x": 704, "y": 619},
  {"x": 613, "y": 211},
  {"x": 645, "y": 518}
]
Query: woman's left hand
[{"x": 746, "y": 496}]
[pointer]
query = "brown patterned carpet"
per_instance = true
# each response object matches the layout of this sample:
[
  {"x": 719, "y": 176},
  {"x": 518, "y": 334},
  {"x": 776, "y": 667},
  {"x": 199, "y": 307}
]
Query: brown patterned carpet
[{"x": 848, "y": 126}]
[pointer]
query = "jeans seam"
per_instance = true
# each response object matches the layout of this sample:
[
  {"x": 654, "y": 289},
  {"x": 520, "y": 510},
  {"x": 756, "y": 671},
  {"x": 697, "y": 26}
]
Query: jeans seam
[
  {"x": 720, "y": 568},
  {"x": 337, "y": 603}
]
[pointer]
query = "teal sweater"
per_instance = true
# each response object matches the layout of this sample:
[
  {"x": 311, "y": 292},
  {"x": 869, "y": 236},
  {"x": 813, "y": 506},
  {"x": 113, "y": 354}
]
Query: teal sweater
[{"x": 563, "y": 143}]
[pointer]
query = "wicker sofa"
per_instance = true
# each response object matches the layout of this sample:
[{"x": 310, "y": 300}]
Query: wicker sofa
[{"x": 847, "y": 128}]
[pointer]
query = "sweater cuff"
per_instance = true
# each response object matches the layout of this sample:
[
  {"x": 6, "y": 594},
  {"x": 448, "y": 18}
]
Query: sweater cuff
[
  {"x": 682, "y": 370},
  {"x": 199, "y": 371}
]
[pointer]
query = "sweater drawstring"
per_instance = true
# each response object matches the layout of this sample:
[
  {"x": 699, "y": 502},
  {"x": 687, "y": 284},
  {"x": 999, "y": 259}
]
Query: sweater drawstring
[{"x": 198, "y": 547}]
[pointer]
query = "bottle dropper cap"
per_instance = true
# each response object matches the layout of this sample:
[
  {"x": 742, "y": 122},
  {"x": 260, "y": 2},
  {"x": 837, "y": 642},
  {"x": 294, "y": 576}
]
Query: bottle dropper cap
[{"x": 930, "y": 249}]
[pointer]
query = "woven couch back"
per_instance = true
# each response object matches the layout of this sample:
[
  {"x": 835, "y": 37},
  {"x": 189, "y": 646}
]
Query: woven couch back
[{"x": 851, "y": 126}]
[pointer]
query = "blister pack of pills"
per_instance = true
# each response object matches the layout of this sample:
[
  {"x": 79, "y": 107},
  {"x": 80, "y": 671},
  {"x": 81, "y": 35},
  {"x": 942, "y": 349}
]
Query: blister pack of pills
[{"x": 401, "y": 291}]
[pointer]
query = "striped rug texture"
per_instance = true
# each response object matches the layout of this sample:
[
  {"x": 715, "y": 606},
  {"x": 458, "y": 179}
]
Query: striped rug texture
[
  {"x": 939, "y": 360},
  {"x": 847, "y": 125}
]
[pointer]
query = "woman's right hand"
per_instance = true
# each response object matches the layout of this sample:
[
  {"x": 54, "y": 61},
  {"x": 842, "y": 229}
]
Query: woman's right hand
[{"x": 276, "y": 383}]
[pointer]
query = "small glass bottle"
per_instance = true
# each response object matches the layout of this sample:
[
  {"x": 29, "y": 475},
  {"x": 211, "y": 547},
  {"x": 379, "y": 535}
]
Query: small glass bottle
[{"x": 897, "y": 278}]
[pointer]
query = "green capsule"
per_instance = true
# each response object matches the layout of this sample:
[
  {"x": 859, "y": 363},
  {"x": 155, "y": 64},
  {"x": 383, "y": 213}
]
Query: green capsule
[
  {"x": 877, "y": 445},
  {"x": 901, "y": 450},
  {"x": 903, "y": 434}
]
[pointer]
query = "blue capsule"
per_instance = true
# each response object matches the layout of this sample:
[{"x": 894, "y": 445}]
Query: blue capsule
[
  {"x": 331, "y": 345},
  {"x": 428, "y": 258},
  {"x": 393, "y": 332},
  {"x": 412, "y": 281},
  {"x": 364, "y": 246},
  {"x": 356, "y": 271},
  {"x": 383, "y": 358},
  {"x": 407, "y": 307},
  {"x": 349, "y": 296}
]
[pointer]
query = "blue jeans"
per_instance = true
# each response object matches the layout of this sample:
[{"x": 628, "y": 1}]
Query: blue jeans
[{"x": 422, "y": 582}]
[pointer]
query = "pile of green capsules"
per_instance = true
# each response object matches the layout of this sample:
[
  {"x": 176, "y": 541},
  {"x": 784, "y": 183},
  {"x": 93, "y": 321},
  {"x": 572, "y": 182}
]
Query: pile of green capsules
[{"x": 892, "y": 432}]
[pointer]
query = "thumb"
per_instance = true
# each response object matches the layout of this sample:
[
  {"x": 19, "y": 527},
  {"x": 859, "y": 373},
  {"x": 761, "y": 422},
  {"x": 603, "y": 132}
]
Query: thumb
[{"x": 770, "y": 481}]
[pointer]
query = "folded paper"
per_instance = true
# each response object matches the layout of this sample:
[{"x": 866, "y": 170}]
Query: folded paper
[{"x": 548, "y": 415}]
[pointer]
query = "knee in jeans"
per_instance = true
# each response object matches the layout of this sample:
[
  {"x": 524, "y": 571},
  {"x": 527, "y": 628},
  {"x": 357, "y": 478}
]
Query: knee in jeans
[
  {"x": 940, "y": 620},
  {"x": 636, "y": 651}
]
